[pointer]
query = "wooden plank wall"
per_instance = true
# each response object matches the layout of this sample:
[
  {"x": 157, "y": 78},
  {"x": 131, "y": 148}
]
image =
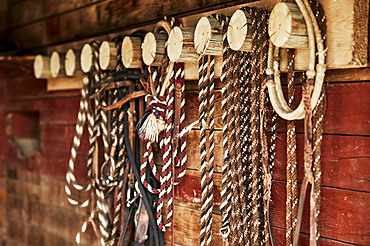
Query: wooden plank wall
[
  {"x": 36, "y": 184},
  {"x": 33, "y": 205}
]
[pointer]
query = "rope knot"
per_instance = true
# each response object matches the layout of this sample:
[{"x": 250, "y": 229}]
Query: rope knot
[{"x": 153, "y": 123}]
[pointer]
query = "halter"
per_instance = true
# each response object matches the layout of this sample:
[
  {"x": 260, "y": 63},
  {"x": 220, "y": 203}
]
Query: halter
[
  {"x": 157, "y": 126},
  {"x": 304, "y": 110}
]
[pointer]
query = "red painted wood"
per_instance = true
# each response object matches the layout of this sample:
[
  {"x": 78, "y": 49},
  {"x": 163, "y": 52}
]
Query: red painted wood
[
  {"x": 59, "y": 139},
  {"x": 337, "y": 209},
  {"x": 304, "y": 239},
  {"x": 344, "y": 160},
  {"x": 26, "y": 86},
  {"x": 346, "y": 110},
  {"x": 25, "y": 124},
  {"x": 56, "y": 165},
  {"x": 344, "y": 214}
]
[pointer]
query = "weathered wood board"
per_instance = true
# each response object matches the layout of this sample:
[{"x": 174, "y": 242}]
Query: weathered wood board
[{"x": 38, "y": 25}]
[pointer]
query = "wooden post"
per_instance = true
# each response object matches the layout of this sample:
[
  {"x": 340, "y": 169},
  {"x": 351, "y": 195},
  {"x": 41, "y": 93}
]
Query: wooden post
[
  {"x": 153, "y": 48},
  {"x": 57, "y": 65},
  {"x": 131, "y": 52},
  {"x": 239, "y": 31},
  {"x": 72, "y": 63},
  {"x": 108, "y": 55},
  {"x": 181, "y": 45},
  {"x": 86, "y": 58},
  {"x": 287, "y": 28},
  {"x": 41, "y": 67},
  {"x": 208, "y": 36}
]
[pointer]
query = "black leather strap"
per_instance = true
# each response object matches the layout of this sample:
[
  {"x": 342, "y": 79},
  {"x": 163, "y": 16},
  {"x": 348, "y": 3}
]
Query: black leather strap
[{"x": 142, "y": 189}]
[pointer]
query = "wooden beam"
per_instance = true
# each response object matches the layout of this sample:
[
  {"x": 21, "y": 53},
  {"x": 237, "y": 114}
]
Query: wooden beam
[{"x": 347, "y": 24}]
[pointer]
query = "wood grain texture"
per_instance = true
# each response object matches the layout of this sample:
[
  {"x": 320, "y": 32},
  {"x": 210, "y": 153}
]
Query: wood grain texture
[
  {"x": 38, "y": 24},
  {"x": 345, "y": 156}
]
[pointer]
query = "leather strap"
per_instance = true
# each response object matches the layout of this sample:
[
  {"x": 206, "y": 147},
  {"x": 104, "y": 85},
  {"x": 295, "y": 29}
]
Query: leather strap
[
  {"x": 142, "y": 189},
  {"x": 176, "y": 128},
  {"x": 133, "y": 95}
]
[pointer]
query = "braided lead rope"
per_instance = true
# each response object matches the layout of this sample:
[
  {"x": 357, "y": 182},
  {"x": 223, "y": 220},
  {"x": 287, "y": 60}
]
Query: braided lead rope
[
  {"x": 102, "y": 205},
  {"x": 257, "y": 190},
  {"x": 236, "y": 216},
  {"x": 249, "y": 135},
  {"x": 267, "y": 233},
  {"x": 166, "y": 186},
  {"x": 120, "y": 160},
  {"x": 318, "y": 115},
  {"x": 240, "y": 169},
  {"x": 225, "y": 193},
  {"x": 202, "y": 144},
  {"x": 244, "y": 124},
  {"x": 292, "y": 187},
  {"x": 81, "y": 118},
  {"x": 117, "y": 127},
  {"x": 267, "y": 179},
  {"x": 211, "y": 86}
]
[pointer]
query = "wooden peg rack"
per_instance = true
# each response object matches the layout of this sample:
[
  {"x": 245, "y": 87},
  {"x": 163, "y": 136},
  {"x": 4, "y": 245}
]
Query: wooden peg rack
[{"x": 202, "y": 34}]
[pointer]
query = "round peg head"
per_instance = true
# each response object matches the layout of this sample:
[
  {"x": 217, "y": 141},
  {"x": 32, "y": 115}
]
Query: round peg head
[
  {"x": 238, "y": 29},
  {"x": 175, "y": 42},
  {"x": 70, "y": 62},
  {"x": 104, "y": 55},
  {"x": 287, "y": 28},
  {"x": 41, "y": 67},
  {"x": 149, "y": 48},
  {"x": 202, "y": 35},
  {"x": 131, "y": 52},
  {"x": 86, "y": 58},
  {"x": 54, "y": 64},
  {"x": 108, "y": 55}
]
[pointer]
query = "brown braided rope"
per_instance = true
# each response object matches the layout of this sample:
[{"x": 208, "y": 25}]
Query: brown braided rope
[
  {"x": 292, "y": 188},
  {"x": 238, "y": 195},
  {"x": 255, "y": 156},
  {"x": 318, "y": 115}
]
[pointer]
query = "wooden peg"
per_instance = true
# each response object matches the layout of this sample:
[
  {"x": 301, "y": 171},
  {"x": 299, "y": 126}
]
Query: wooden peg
[
  {"x": 208, "y": 37},
  {"x": 57, "y": 65},
  {"x": 153, "y": 48},
  {"x": 86, "y": 58},
  {"x": 72, "y": 63},
  {"x": 108, "y": 55},
  {"x": 131, "y": 52},
  {"x": 287, "y": 28},
  {"x": 41, "y": 67},
  {"x": 181, "y": 45},
  {"x": 239, "y": 31}
]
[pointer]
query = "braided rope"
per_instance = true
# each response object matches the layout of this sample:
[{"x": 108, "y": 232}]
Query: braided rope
[
  {"x": 102, "y": 206},
  {"x": 161, "y": 111},
  {"x": 211, "y": 147},
  {"x": 202, "y": 145},
  {"x": 248, "y": 89},
  {"x": 81, "y": 118},
  {"x": 267, "y": 172},
  {"x": 292, "y": 187},
  {"x": 225, "y": 193},
  {"x": 167, "y": 157},
  {"x": 117, "y": 128},
  {"x": 318, "y": 115},
  {"x": 234, "y": 150}
]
